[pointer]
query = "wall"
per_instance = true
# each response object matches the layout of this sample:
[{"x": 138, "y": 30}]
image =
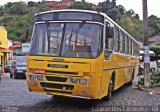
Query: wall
[
  {"x": 3, "y": 46},
  {"x": 3, "y": 38}
]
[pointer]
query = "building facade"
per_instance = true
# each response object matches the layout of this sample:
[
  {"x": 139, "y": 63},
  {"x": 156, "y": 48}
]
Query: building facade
[{"x": 155, "y": 40}]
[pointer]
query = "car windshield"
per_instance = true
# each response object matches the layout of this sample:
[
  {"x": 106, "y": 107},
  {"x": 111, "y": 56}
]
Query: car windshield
[{"x": 81, "y": 39}]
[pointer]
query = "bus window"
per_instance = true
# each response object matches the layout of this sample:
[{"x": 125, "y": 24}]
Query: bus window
[
  {"x": 122, "y": 47},
  {"x": 109, "y": 40},
  {"x": 117, "y": 41}
]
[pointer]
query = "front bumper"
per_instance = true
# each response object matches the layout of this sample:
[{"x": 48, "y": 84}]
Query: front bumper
[{"x": 88, "y": 91}]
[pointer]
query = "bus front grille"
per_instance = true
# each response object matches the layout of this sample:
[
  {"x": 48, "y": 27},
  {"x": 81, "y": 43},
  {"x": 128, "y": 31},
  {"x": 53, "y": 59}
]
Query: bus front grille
[
  {"x": 57, "y": 86},
  {"x": 56, "y": 79}
]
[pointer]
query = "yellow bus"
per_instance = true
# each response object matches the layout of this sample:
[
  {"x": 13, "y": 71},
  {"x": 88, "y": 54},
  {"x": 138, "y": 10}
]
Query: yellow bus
[{"x": 80, "y": 53}]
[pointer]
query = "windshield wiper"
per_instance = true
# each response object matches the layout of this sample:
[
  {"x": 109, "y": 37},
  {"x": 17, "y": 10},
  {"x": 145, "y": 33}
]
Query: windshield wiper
[{"x": 77, "y": 29}]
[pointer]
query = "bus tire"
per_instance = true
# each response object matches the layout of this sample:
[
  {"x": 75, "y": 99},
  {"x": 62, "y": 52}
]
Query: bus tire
[{"x": 110, "y": 89}]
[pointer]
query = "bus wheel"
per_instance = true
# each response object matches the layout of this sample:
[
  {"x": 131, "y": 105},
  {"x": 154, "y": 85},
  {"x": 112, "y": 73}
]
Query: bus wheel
[{"x": 110, "y": 90}]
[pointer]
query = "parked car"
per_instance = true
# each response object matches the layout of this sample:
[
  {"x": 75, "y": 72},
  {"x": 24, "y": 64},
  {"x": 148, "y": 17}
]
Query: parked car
[
  {"x": 8, "y": 65},
  {"x": 18, "y": 69},
  {"x": 153, "y": 63}
]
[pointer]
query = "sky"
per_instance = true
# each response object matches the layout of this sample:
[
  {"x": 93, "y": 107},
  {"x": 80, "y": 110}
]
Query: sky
[{"x": 136, "y": 5}]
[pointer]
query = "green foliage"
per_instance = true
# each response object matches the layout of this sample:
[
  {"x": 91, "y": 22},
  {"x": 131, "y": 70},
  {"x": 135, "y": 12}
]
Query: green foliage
[
  {"x": 109, "y": 8},
  {"x": 19, "y": 8},
  {"x": 18, "y": 19},
  {"x": 132, "y": 26},
  {"x": 80, "y": 5},
  {"x": 154, "y": 25},
  {"x": 128, "y": 20},
  {"x": 155, "y": 49},
  {"x": 42, "y": 7},
  {"x": 1, "y": 11},
  {"x": 155, "y": 79}
]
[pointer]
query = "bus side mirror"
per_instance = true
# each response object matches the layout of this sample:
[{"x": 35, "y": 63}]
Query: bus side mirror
[{"x": 111, "y": 32}]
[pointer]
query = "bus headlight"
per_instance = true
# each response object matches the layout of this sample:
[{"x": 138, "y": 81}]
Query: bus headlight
[
  {"x": 83, "y": 81},
  {"x": 78, "y": 81},
  {"x": 74, "y": 80},
  {"x": 40, "y": 77},
  {"x": 36, "y": 77},
  {"x": 32, "y": 77}
]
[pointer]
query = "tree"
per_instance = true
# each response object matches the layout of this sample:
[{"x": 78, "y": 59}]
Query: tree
[
  {"x": 80, "y": 5},
  {"x": 42, "y": 7},
  {"x": 120, "y": 12},
  {"x": 154, "y": 25},
  {"x": 130, "y": 13},
  {"x": 109, "y": 8},
  {"x": 155, "y": 49},
  {"x": 1, "y": 11},
  {"x": 18, "y": 19},
  {"x": 19, "y": 8},
  {"x": 132, "y": 25}
]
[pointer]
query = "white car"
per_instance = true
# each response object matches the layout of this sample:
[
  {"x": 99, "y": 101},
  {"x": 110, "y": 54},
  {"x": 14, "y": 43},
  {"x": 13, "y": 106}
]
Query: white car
[{"x": 153, "y": 64}]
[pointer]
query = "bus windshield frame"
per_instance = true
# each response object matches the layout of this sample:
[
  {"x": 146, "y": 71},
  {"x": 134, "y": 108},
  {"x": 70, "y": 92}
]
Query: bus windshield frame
[{"x": 78, "y": 39}]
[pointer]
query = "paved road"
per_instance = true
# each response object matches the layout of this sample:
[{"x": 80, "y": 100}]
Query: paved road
[{"x": 15, "y": 97}]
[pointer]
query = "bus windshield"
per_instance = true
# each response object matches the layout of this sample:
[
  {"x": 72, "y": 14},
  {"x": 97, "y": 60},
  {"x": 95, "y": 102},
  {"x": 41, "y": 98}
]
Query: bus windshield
[{"x": 78, "y": 39}]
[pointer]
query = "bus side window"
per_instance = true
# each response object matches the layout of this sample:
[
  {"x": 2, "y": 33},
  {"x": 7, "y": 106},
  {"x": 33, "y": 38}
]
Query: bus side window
[
  {"x": 106, "y": 37},
  {"x": 109, "y": 36}
]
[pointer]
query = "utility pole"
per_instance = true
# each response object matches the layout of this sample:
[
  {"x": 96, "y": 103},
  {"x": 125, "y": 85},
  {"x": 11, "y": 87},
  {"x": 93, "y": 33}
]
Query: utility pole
[{"x": 147, "y": 82}]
